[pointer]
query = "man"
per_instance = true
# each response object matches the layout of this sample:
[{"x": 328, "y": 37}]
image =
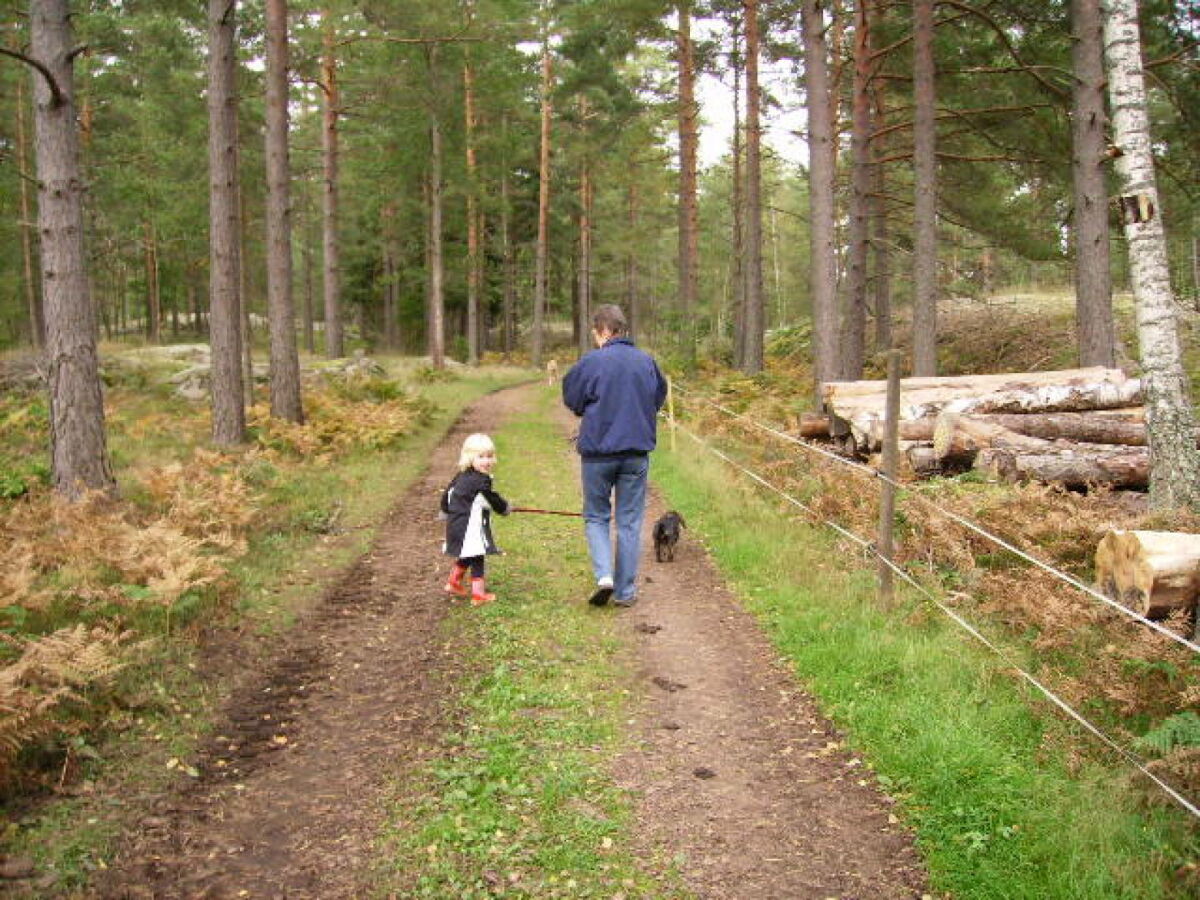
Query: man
[{"x": 617, "y": 389}]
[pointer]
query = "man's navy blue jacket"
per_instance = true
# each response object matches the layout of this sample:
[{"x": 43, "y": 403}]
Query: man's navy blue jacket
[{"x": 618, "y": 390}]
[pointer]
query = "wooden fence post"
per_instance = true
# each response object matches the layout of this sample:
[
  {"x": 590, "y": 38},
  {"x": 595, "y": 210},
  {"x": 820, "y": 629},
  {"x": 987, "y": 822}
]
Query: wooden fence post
[{"x": 887, "y": 487}]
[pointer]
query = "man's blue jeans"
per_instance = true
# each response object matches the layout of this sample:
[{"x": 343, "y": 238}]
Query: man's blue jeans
[{"x": 620, "y": 485}]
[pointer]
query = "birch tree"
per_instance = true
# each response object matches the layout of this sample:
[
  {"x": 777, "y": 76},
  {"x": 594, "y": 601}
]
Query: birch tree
[{"x": 1170, "y": 421}]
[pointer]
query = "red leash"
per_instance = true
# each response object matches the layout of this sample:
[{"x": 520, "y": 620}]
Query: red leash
[{"x": 546, "y": 512}]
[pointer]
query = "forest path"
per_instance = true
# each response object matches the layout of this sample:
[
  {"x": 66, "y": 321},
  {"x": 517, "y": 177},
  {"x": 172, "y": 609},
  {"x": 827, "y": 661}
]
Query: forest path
[
  {"x": 736, "y": 778},
  {"x": 736, "y": 774}
]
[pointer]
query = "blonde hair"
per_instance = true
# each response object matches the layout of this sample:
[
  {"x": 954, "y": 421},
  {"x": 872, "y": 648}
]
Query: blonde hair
[{"x": 474, "y": 446}]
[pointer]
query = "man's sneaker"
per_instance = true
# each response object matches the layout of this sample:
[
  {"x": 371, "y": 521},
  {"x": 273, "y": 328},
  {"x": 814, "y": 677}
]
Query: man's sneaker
[
  {"x": 604, "y": 590},
  {"x": 625, "y": 604}
]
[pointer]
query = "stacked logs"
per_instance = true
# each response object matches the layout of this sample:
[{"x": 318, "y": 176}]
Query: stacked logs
[
  {"x": 1153, "y": 573},
  {"x": 1076, "y": 427}
]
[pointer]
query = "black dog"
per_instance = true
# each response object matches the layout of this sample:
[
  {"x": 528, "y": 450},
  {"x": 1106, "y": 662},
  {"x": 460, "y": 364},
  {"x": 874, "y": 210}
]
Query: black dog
[{"x": 666, "y": 536}]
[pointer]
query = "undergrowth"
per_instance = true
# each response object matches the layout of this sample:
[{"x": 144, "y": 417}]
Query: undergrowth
[{"x": 197, "y": 539}]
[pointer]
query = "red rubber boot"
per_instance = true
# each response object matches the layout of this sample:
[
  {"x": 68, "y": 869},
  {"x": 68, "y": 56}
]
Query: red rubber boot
[
  {"x": 479, "y": 594},
  {"x": 454, "y": 584}
]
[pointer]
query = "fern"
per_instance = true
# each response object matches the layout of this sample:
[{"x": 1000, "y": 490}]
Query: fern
[{"x": 1177, "y": 731}]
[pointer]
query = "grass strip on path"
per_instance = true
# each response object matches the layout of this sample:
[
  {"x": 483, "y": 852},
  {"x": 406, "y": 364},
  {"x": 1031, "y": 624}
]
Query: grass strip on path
[
  {"x": 972, "y": 757},
  {"x": 520, "y": 803}
]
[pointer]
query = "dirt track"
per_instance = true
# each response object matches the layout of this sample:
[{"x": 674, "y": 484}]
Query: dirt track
[{"x": 735, "y": 771}]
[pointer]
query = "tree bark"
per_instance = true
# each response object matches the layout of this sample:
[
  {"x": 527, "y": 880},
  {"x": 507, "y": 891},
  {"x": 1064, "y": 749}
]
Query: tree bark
[
  {"x": 225, "y": 301},
  {"x": 755, "y": 322},
  {"x": 1153, "y": 573},
  {"x": 822, "y": 151},
  {"x": 738, "y": 212},
  {"x": 585, "y": 247},
  {"x": 153, "y": 297},
  {"x": 854, "y": 319},
  {"x": 437, "y": 298},
  {"x": 688, "y": 205},
  {"x": 508, "y": 257},
  {"x": 78, "y": 439},
  {"x": 33, "y": 296},
  {"x": 1081, "y": 467},
  {"x": 473, "y": 260},
  {"x": 1095, "y": 331},
  {"x": 882, "y": 253},
  {"x": 543, "y": 227},
  {"x": 285, "y": 359},
  {"x": 924, "y": 321},
  {"x": 1175, "y": 481},
  {"x": 335, "y": 347},
  {"x": 858, "y": 405}
]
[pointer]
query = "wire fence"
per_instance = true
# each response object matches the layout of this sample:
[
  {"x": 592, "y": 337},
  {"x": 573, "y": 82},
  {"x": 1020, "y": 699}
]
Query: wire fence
[{"x": 869, "y": 547}]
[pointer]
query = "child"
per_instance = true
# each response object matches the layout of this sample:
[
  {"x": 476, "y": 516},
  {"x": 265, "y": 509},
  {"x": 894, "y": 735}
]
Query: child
[{"x": 467, "y": 504}]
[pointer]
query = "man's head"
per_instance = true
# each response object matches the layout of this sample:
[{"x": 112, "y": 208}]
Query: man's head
[{"x": 608, "y": 322}]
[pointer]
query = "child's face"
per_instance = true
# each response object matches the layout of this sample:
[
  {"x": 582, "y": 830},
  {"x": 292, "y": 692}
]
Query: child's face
[{"x": 486, "y": 461}]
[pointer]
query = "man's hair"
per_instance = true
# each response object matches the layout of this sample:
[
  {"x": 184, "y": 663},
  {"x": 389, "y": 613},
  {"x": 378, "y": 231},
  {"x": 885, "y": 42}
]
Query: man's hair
[{"x": 610, "y": 318}]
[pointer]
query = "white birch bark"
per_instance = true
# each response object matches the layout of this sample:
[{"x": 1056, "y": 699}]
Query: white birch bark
[{"x": 1170, "y": 421}]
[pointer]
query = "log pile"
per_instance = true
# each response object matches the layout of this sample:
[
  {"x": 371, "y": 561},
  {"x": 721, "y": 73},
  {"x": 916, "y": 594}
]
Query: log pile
[
  {"x": 1076, "y": 427},
  {"x": 1152, "y": 573}
]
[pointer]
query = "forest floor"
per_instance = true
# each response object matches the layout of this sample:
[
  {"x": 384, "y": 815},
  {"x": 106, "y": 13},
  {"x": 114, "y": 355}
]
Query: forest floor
[{"x": 732, "y": 768}]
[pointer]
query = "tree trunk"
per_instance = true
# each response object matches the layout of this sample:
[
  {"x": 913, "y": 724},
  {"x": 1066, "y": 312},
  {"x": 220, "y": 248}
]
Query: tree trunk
[
  {"x": 508, "y": 257},
  {"x": 1153, "y": 573},
  {"x": 1127, "y": 428},
  {"x": 957, "y": 438},
  {"x": 335, "y": 347},
  {"x": 854, "y": 320},
  {"x": 924, "y": 320},
  {"x": 33, "y": 297},
  {"x": 1079, "y": 467},
  {"x": 285, "y": 360},
  {"x": 473, "y": 270},
  {"x": 1170, "y": 421},
  {"x": 632, "y": 312},
  {"x": 310, "y": 341},
  {"x": 859, "y": 405},
  {"x": 585, "y": 249},
  {"x": 689, "y": 274},
  {"x": 153, "y": 297},
  {"x": 822, "y": 150},
  {"x": 543, "y": 227},
  {"x": 882, "y": 255},
  {"x": 437, "y": 299},
  {"x": 225, "y": 301},
  {"x": 753, "y": 362},
  {"x": 1095, "y": 332},
  {"x": 78, "y": 440},
  {"x": 738, "y": 212},
  {"x": 391, "y": 270}
]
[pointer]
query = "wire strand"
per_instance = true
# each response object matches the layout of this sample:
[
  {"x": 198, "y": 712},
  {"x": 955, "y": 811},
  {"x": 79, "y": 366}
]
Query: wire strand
[
  {"x": 966, "y": 523},
  {"x": 954, "y": 616}
]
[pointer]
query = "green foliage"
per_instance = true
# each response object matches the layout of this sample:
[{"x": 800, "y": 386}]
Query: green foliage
[{"x": 1180, "y": 730}]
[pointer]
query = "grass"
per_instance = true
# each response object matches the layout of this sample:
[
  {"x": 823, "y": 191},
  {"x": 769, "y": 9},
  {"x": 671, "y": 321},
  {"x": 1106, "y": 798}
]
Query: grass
[
  {"x": 520, "y": 801},
  {"x": 167, "y": 705},
  {"x": 998, "y": 810}
]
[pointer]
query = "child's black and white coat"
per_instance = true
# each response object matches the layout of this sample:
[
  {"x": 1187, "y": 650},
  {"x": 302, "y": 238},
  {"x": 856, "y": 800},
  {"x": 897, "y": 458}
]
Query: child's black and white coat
[{"x": 467, "y": 503}]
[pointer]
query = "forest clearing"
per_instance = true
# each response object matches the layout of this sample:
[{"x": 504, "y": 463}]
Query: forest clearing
[{"x": 903, "y": 302}]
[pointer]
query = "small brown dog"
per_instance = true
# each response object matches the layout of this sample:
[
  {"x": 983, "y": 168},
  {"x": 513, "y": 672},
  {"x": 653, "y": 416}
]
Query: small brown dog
[
  {"x": 552, "y": 371},
  {"x": 666, "y": 535}
]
